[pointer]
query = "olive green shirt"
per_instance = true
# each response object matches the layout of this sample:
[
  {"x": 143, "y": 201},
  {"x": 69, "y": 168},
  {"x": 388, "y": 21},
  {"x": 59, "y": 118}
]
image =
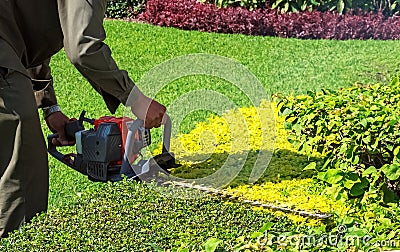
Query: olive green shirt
[{"x": 36, "y": 30}]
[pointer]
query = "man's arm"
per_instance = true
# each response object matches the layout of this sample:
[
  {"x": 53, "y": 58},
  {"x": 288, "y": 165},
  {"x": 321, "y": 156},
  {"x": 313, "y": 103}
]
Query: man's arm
[
  {"x": 84, "y": 35},
  {"x": 46, "y": 99}
]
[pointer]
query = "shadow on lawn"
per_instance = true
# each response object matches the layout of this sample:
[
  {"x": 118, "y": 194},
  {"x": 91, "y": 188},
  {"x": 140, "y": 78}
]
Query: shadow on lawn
[{"x": 284, "y": 165}]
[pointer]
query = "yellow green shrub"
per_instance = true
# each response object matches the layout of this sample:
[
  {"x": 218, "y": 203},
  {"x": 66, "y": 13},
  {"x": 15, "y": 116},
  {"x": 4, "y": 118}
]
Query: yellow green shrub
[
  {"x": 219, "y": 133},
  {"x": 299, "y": 194},
  {"x": 203, "y": 150}
]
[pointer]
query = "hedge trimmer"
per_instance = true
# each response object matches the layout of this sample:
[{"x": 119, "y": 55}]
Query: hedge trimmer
[
  {"x": 107, "y": 151},
  {"x": 111, "y": 151}
]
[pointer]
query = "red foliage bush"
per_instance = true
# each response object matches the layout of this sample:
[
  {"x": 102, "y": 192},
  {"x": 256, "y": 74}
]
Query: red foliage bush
[{"x": 192, "y": 15}]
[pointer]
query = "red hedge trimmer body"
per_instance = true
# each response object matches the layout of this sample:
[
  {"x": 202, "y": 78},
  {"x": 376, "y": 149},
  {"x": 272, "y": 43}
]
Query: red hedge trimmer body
[{"x": 107, "y": 151}]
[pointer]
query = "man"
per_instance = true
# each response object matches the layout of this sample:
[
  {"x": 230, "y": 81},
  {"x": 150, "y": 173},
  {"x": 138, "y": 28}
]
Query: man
[{"x": 31, "y": 32}]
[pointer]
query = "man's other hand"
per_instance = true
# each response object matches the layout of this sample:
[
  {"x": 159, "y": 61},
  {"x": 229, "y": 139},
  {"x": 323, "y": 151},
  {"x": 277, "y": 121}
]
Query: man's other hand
[{"x": 149, "y": 110}]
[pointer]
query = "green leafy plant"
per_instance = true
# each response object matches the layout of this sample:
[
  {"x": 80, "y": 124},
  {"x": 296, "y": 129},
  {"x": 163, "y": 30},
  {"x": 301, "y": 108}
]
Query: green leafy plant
[
  {"x": 357, "y": 129},
  {"x": 249, "y": 4},
  {"x": 212, "y": 244},
  {"x": 388, "y": 7},
  {"x": 124, "y": 8},
  {"x": 340, "y": 6},
  {"x": 295, "y": 5}
]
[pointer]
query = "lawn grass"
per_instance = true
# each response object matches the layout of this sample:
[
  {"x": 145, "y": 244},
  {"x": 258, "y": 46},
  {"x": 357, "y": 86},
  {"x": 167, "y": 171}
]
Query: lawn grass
[{"x": 281, "y": 65}]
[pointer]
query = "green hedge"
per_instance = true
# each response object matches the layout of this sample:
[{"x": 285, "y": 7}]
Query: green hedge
[
  {"x": 357, "y": 129},
  {"x": 130, "y": 216}
]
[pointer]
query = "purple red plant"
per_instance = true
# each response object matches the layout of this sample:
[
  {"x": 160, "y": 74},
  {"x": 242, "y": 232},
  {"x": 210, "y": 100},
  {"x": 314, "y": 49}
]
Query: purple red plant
[{"x": 193, "y": 15}]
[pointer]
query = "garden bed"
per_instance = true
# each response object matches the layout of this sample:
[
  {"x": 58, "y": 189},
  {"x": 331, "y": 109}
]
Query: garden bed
[{"x": 194, "y": 15}]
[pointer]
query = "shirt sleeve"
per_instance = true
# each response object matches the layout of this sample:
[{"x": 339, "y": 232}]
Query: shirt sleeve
[
  {"x": 84, "y": 35},
  {"x": 42, "y": 82}
]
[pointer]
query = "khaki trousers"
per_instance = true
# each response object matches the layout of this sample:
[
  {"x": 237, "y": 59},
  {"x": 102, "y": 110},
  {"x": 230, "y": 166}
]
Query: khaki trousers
[{"x": 24, "y": 175}]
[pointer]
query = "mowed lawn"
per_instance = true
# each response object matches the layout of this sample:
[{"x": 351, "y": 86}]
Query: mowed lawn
[{"x": 281, "y": 65}]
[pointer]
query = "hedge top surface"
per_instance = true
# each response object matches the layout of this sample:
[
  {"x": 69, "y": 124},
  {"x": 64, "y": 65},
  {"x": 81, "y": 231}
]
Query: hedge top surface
[{"x": 130, "y": 216}]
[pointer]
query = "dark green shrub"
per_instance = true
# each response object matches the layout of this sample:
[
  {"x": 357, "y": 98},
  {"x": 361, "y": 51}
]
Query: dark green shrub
[
  {"x": 124, "y": 8},
  {"x": 357, "y": 129},
  {"x": 387, "y": 7},
  {"x": 340, "y": 6},
  {"x": 295, "y": 5},
  {"x": 249, "y": 4}
]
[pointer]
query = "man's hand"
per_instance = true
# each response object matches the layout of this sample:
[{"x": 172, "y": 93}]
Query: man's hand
[
  {"x": 56, "y": 123},
  {"x": 149, "y": 110}
]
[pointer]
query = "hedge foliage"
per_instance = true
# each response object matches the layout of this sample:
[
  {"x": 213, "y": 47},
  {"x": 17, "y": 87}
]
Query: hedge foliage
[
  {"x": 357, "y": 129},
  {"x": 129, "y": 216},
  {"x": 193, "y": 15}
]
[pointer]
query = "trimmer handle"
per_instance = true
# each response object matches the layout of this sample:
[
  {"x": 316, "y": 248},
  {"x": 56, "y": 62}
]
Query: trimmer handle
[
  {"x": 64, "y": 158},
  {"x": 130, "y": 150},
  {"x": 138, "y": 125},
  {"x": 52, "y": 149}
]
